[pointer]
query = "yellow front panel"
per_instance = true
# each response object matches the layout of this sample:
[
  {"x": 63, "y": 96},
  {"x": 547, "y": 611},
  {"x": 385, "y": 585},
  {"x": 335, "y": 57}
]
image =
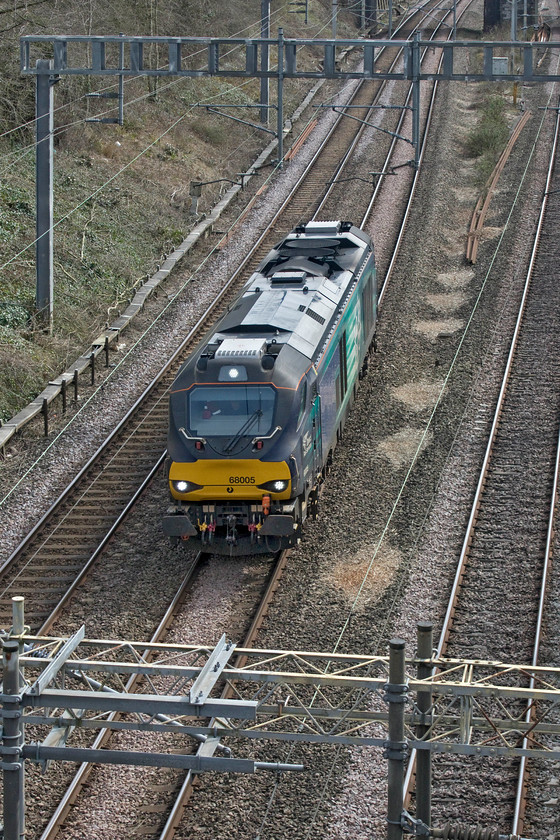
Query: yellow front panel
[{"x": 229, "y": 480}]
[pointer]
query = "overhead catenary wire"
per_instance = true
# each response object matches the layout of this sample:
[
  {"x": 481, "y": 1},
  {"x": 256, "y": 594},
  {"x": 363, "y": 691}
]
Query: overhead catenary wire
[
  {"x": 126, "y": 166},
  {"x": 22, "y": 153},
  {"x": 16, "y": 156},
  {"x": 29, "y": 123},
  {"x": 19, "y": 154},
  {"x": 111, "y": 87},
  {"x": 116, "y": 369},
  {"x": 423, "y": 438},
  {"x": 109, "y": 181}
]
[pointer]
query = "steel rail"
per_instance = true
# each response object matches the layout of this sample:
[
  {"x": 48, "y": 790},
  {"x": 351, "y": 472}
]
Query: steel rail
[
  {"x": 520, "y": 796},
  {"x": 185, "y": 792},
  {"x": 350, "y": 151},
  {"x": 480, "y": 211},
  {"x": 55, "y": 614},
  {"x": 256, "y": 248},
  {"x": 72, "y": 793},
  {"x": 210, "y": 311},
  {"x": 462, "y": 562},
  {"x": 177, "y": 354},
  {"x": 203, "y": 320},
  {"x": 422, "y": 151},
  {"x": 102, "y": 738},
  {"x": 347, "y": 157},
  {"x": 439, "y": 25},
  {"x": 414, "y": 185},
  {"x": 112, "y": 439}
]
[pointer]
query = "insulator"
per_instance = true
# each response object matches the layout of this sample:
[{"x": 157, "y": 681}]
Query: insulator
[{"x": 463, "y": 832}]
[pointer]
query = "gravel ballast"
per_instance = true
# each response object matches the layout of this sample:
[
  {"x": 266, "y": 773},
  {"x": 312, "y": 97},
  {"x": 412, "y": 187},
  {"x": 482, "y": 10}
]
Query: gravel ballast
[{"x": 382, "y": 512}]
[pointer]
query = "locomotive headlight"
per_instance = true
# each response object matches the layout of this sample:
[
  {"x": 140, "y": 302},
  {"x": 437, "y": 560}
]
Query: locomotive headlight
[
  {"x": 183, "y": 486},
  {"x": 232, "y": 373},
  {"x": 277, "y": 486}
]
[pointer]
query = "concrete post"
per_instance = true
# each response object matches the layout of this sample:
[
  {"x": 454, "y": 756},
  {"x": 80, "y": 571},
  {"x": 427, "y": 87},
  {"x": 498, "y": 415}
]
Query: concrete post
[
  {"x": 44, "y": 196},
  {"x": 416, "y": 99},
  {"x": 12, "y": 762},
  {"x": 424, "y": 703},
  {"x": 18, "y": 618},
  {"x": 265, "y": 62},
  {"x": 396, "y": 691},
  {"x": 280, "y": 121}
]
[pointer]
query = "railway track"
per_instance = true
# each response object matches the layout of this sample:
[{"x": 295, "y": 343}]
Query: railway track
[
  {"x": 497, "y": 603},
  {"x": 177, "y": 789},
  {"x": 62, "y": 547},
  {"x": 146, "y": 423},
  {"x": 101, "y": 740},
  {"x": 185, "y": 790}
]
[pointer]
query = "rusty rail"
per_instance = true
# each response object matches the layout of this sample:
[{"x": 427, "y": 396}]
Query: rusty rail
[{"x": 483, "y": 203}]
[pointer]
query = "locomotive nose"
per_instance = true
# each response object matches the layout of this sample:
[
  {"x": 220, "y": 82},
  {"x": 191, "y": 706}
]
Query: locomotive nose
[{"x": 211, "y": 480}]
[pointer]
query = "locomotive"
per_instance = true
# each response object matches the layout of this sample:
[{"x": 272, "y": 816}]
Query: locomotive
[{"x": 257, "y": 409}]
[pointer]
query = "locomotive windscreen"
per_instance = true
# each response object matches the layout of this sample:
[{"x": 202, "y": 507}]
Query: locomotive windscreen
[{"x": 231, "y": 410}]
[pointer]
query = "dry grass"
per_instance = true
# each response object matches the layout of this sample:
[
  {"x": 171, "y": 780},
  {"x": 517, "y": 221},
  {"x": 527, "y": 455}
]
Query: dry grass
[
  {"x": 356, "y": 576},
  {"x": 108, "y": 244},
  {"x": 399, "y": 449},
  {"x": 418, "y": 396}
]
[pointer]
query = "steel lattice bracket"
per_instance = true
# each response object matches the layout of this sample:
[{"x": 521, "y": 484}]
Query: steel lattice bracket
[{"x": 338, "y": 696}]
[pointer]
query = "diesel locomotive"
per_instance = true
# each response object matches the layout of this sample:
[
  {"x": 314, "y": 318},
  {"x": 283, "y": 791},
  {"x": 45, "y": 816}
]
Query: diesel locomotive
[{"x": 257, "y": 409}]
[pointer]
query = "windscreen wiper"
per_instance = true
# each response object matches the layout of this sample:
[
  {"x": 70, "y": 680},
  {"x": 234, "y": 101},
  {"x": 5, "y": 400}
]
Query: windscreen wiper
[{"x": 257, "y": 414}]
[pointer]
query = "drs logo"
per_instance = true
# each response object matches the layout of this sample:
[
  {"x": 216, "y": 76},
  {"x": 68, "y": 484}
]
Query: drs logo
[{"x": 241, "y": 479}]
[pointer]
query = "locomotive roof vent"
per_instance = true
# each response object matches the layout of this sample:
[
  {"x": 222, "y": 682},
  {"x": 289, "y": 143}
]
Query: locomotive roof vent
[
  {"x": 241, "y": 348},
  {"x": 322, "y": 228},
  {"x": 293, "y": 277}
]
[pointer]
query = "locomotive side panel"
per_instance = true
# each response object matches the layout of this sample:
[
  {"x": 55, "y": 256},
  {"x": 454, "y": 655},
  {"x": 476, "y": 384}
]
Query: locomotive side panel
[{"x": 345, "y": 355}]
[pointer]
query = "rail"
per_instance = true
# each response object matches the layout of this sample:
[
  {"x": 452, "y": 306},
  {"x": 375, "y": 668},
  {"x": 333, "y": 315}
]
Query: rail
[
  {"x": 73, "y": 790},
  {"x": 479, "y": 214},
  {"x": 519, "y": 807},
  {"x": 100, "y": 346},
  {"x": 520, "y": 797}
]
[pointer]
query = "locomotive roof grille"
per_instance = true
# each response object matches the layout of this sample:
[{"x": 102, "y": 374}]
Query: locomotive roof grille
[
  {"x": 241, "y": 348},
  {"x": 331, "y": 228},
  {"x": 315, "y": 316}
]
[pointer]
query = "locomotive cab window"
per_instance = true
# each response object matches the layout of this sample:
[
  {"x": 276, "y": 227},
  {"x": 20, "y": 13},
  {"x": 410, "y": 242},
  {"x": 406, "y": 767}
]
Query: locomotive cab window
[
  {"x": 302, "y": 403},
  {"x": 220, "y": 411}
]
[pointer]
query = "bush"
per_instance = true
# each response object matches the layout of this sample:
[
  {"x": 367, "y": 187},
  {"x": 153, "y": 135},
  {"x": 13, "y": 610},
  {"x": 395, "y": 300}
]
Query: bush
[
  {"x": 488, "y": 139},
  {"x": 13, "y": 314},
  {"x": 491, "y": 134}
]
